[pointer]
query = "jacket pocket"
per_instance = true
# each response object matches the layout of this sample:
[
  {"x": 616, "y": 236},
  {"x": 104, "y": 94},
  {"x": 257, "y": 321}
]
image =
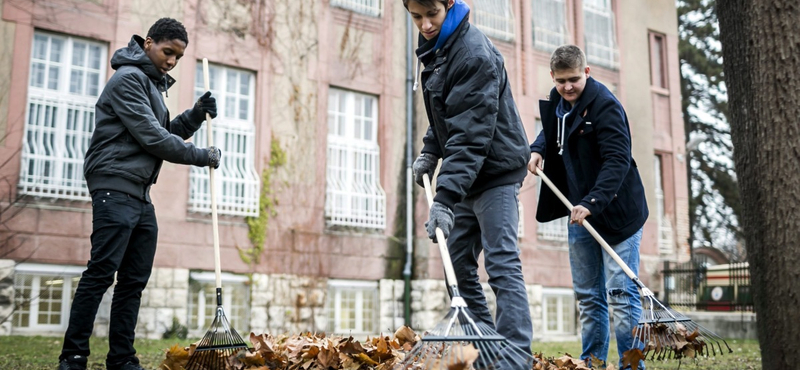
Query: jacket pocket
[{"x": 621, "y": 211}]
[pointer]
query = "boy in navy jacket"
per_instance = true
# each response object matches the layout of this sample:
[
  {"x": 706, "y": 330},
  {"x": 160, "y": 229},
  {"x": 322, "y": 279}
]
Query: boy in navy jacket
[{"x": 585, "y": 149}]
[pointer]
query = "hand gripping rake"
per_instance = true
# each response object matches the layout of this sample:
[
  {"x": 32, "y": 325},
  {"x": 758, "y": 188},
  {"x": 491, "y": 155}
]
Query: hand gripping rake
[
  {"x": 662, "y": 332},
  {"x": 452, "y": 342},
  {"x": 221, "y": 340}
]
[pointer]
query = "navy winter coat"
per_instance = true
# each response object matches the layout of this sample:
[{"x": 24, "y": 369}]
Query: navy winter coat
[{"x": 596, "y": 170}]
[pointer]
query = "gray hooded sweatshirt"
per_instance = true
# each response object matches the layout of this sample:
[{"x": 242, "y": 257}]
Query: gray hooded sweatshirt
[{"x": 133, "y": 133}]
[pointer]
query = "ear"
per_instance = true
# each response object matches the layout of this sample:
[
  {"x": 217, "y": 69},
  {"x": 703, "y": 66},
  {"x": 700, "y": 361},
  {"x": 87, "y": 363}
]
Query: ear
[
  {"x": 148, "y": 43},
  {"x": 552, "y": 77},
  {"x": 450, "y": 3},
  {"x": 586, "y": 71}
]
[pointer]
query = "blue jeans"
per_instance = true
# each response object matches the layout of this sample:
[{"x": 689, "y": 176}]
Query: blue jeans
[
  {"x": 488, "y": 223},
  {"x": 599, "y": 282},
  {"x": 124, "y": 235}
]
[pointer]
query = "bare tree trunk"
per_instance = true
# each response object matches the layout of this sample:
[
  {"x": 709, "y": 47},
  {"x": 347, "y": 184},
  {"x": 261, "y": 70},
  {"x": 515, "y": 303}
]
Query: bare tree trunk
[{"x": 761, "y": 50}]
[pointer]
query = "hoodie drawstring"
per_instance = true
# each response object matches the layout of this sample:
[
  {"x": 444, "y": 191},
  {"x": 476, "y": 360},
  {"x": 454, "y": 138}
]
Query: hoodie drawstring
[
  {"x": 561, "y": 132},
  {"x": 416, "y": 75}
]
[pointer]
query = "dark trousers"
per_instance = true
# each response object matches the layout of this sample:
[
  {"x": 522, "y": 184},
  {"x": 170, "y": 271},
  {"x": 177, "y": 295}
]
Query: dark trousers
[
  {"x": 488, "y": 223},
  {"x": 124, "y": 234}
]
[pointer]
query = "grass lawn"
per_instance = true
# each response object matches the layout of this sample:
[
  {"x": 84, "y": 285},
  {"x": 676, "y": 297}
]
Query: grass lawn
[{"x": 41, "y": 353}]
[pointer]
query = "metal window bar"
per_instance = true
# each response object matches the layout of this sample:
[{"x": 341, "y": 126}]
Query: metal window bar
[
  {"x": 234, "y": 133},
  {"x": 549, "y": 23},
  {"x": 601, "y": 48},
  {"x": 712, "y": 288},
  {"x": 495, "y": 18},
  {"x": 555, "y": 230},
  {"x": 372, "y": 8},
  {"x": 63, "y": 87},
  {"x": 354, "y": 196}
]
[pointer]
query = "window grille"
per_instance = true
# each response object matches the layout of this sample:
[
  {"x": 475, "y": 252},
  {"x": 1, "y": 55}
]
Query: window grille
[
  {"x": 354, "y": 196},
  {"x": 203, "y": 301},
  {"x": 601, "y": 48},
  {"x": 665, "y": 244},
  {"x": 549, "y": 24},
  {"x": 42, "y": 296},
  {"x": 373, "y": 8},
  {"x": 67, "y": 75},
  {"x": 558, "y": 311},
  {"x": 234, "y": 133},
  {"x": 495, "y": 18},
  {"x": 352, "y": 307}
]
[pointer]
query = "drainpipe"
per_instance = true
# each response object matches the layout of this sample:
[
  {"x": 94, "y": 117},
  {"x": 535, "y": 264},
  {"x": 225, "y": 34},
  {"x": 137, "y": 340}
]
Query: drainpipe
[{"x": 409, "y": 174}]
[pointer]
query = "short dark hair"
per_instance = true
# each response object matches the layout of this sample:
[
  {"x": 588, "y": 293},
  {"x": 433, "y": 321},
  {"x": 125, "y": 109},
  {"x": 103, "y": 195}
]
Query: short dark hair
[
  {"x": 426, "y": 3},
  {"x": 167, "y": 29},
  {"x": 567, "y": 57}
]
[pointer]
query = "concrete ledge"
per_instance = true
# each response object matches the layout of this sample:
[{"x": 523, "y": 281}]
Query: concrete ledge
[{"x": 728, "y": 325}]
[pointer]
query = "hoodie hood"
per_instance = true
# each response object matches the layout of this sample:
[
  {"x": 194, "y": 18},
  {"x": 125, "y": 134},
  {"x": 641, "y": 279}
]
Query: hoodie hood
[
  {"x": 133, "y": 55},
  {"x": 455, "y": 15}
]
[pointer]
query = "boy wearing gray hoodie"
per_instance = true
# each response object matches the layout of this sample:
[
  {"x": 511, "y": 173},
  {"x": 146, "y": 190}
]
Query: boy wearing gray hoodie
[{"x": 133, "y": 136}]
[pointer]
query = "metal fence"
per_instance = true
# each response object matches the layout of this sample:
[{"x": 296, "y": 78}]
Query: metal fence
[{"x": 708, "y": 288}]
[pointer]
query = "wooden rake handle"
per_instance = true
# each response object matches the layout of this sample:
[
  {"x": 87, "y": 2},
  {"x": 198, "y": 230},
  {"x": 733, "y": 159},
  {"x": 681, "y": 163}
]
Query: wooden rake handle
[
  {"x": 449, "y": 271},
  {"x": 592, "y": 231},
  {"x": 212, "y": 185}
]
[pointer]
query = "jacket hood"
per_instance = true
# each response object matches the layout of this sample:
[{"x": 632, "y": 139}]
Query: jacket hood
[{"x": 134, "y": 55}]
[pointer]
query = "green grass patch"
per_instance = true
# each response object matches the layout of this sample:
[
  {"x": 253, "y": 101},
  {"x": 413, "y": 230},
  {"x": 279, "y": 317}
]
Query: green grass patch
[{"x": 41, "y": 353}]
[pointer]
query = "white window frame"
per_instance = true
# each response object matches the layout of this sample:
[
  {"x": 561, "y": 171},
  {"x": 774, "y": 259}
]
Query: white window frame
[
  {"x": 238, "y": 183},
  {"x": 549, "y": 24},
  {"x": 495, "y": 18},
  {"x": 600, "y": 38},
  {"x": 665, "y": 243},
  {"x": 565, "y": 310},
  {"x": 234, "y": 288},
  {"x": 353, "y": 193},
  {"x": 58, "y": 122},
  {"x": 366, "y": 293},
  {"x": 372, "y": 8},
  {"x": 39, "y": 274}
]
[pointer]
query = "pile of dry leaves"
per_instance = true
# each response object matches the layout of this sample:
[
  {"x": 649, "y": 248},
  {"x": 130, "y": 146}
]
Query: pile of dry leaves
[{"x": 320, "y": 352}]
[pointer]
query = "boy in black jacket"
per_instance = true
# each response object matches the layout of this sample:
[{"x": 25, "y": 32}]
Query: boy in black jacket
[
  {"x": 477, "y": 132},
  {"x": 133, "y": 136},
  {"x": 586, "y": 145}
]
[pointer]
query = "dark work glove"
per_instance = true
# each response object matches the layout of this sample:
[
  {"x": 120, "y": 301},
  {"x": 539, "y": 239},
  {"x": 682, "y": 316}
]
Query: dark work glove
[
  {"x": 205, "y": 104},
  {"x": 425, "y": 163},
  {"x": 214, "y": 157},
  {"x": 441, "y": 217}
]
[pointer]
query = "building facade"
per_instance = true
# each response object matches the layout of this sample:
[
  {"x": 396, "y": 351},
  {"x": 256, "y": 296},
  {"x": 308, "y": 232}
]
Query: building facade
[{"x": 312, "y": 192}]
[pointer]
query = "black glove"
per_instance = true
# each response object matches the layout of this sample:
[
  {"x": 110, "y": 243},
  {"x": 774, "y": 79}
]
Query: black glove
[
  {"x": 425, "y": 163},
  {"x": 214, "y": 157},
  {"x": 205, "y": 104},
  {"x": 441, "y": 217}
]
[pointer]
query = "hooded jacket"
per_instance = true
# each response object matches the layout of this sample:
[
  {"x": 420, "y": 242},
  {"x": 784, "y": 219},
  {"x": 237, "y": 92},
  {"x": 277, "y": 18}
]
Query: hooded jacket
[
  {"x": 596, "y": 169},
  {"x": 133, "y": 133},
  {"x": 474, "y": 123}
]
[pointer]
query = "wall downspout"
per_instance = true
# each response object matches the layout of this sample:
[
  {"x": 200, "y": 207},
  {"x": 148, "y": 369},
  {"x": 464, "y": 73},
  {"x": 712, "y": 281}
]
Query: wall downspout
[{"x": 409, "y": 174}]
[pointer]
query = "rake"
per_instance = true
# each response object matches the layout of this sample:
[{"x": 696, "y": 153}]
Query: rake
[
  {"x": 221, "y": 340},
  {"x": 662, "y": 332},
  {"x": 452, "y": 343}
]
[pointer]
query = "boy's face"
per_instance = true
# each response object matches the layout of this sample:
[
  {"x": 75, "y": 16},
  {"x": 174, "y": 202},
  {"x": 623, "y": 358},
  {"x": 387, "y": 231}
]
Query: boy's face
[
  {"x": 570, "y": 82},
  {"x": 428, "y": 20},
  {"x": 164, "y": 54}
]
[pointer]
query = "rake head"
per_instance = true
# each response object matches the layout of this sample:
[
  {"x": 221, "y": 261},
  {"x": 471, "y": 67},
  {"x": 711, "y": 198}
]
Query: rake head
[
  {"x": 460, "y": 341},
  {"x": 220, "y": 343},
  {"x": 664, "y": 333}
]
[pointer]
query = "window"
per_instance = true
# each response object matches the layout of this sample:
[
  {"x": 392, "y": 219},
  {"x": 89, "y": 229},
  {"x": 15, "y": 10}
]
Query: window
[
  {"x": 521, "y": 225},
  {"x": 43, "y": 295},
  {"x": 601, "y": 48},
  {"x": 203, "y": 301},
  {"x": 234, "y": 134},
  {"x": 495, "y": 18},
  {"x": 658, "y": 60},
  {"x": 664, "y": 224},
  {"x": 354, "y": 196},
  {"x": 372, "y": 8},
  {"x": 67, "y": 75},
  {"x": 352, "y": 307},
  {"x": 558, "y": 311},
  {"x": 549, "y": 24}
]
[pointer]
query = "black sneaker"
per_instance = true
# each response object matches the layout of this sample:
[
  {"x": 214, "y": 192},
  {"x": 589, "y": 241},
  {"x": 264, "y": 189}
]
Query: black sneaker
[
  {"x": 130, "y": 365},
  {"x": 75, "y": 362}
]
